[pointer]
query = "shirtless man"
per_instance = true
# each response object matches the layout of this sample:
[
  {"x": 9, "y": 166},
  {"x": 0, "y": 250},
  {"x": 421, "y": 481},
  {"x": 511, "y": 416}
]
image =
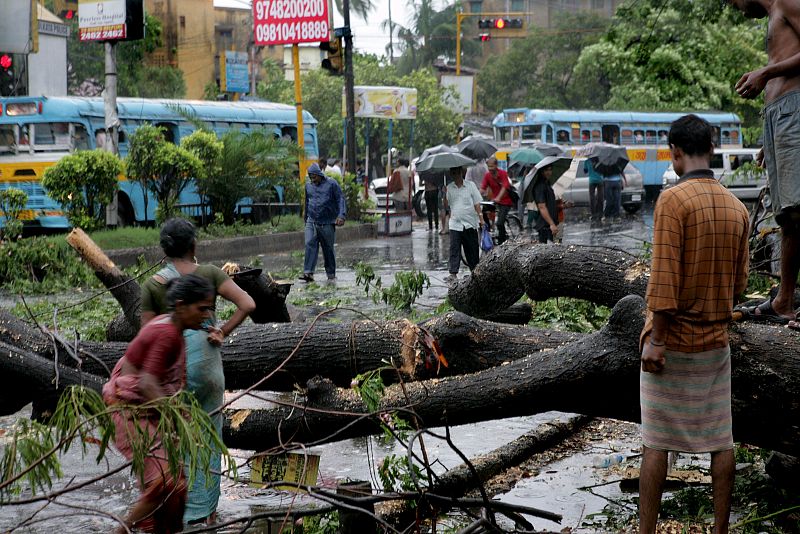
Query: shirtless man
[{"x": 780, "y": 81}]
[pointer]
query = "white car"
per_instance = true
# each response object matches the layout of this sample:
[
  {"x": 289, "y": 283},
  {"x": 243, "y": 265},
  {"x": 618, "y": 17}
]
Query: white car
[
  {"x": 578, "y": 192},
  {"x": 377, "y": 192},
  {"x": 746, "y": 184}
]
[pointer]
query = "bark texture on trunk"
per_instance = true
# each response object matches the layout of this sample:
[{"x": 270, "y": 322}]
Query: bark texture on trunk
[
  {"x": 597, "y": 375},
  {"x": 334, "y": 350},
  {"x": 597, "y": 274}
]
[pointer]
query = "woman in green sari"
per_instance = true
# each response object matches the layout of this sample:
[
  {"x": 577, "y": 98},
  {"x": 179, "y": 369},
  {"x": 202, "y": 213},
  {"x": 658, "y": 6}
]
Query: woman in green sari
[{"x": 204, "y": 375}]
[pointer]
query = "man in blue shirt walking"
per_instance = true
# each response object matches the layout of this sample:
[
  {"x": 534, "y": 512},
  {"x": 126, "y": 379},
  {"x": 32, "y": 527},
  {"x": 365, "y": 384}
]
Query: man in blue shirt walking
[{"x": 324, "y": 211}]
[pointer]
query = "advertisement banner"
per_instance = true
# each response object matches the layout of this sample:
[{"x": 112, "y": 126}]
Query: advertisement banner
[
  {"x": 101, "y": 20},
  {"x": 384, "y": 102},
  {"x": 237, "y": 77},
  {"x": 278, "y": 22}
]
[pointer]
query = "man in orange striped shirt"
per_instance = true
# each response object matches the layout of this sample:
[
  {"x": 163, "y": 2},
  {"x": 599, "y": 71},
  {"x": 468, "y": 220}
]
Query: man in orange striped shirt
[{"x": 700, "y": 260}]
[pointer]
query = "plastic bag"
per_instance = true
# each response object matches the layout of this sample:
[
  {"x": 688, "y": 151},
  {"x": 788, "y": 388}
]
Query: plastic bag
[{"x": 486, "y": 239}]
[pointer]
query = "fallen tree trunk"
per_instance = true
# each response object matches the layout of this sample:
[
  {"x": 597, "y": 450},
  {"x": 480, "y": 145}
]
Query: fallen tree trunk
[
  {"x": 334, "y": 350},
  {"x": 597, "y": 375},
  {"x": 597, "y": 274}
]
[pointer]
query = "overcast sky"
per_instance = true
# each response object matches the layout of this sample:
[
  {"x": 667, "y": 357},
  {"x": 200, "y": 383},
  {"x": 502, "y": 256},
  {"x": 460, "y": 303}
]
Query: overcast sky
[{"x": 369, "y": 37}]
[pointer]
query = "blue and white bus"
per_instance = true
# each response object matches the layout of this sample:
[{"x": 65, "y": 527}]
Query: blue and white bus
[
  {"x": 644, "y": 134},
  {"x": 35, "y": 132}
]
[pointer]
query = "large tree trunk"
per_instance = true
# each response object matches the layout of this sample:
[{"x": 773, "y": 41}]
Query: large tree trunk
[
  {"x": 597, "y": 375},
  {"x": 597, "y": 274},
  {"x": 335, "y": 351}
]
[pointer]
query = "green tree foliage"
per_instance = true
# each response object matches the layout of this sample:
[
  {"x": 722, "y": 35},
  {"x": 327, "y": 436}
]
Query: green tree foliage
[
  {"x": 249, "y": 165},
  {"x": 84, "y": 183},
  {"x": 274, "y": 87},
  {"x": 537, "y": 70},
  {"x": 432, "y": 34},
  {"x": 435, "y": 123},
  {"x": 86, "y": 62},
  {"x": 12, "y": 202},
  {"x": 161, "y": 167},
  {"x": 674, "y": 55}
]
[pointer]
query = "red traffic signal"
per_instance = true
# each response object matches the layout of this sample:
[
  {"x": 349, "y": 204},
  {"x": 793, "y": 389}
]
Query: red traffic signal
[
  {"x": 5, "y": 61},
  {"x": 484, "y": 37},
  {"x": 70, "y": 14}
]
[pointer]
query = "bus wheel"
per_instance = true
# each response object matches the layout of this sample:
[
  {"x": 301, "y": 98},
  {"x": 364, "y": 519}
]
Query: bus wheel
[{"x": 125, "y": 214}]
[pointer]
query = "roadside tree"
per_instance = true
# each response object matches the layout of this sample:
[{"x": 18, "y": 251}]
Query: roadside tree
[
  {"x": 538, "y": 70},
  {"x": 84, "y": 183},
  {"x": 674, "y": 55},
  {"x": 12, "y": 202},
  {"x": 161, "y": 168}
]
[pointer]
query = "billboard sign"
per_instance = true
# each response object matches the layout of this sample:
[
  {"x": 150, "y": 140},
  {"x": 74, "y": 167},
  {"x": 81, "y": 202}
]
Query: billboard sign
[
  {"x": 101, "y": 20},
  {"x": 237, "y": 77},
  {"x": 290, "y": 21},
  {"x": 384, "y": 102}
]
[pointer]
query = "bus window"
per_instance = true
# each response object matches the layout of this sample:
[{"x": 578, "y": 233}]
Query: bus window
[
  {"x": 8, "y": 137},
  {"x": 222, "y": 126},
  {"x": 562, "y": 136},
  {"x": 80, "y": 137},
  {"x": 100, "y": 139},
  {"x": 532, "y": 133},
  {"x": 597, "y": 135},
  {"x": 650, "y": 137},
  {"x": 548, "y": 136},
  {"x": 717, "y": 136},
  {"x": 716, "y": 161},
  {"x": 122, "y": 137},
  {"x": 52, "y": 134},
  {"x": 168, "y": 129},
  {"x": 734, "y": 137},
  {"x": 611, "y": 134},
  {"x": 662, "y": 136},
  {"x": 638, "y": 137},
  {"x": 586, "y": 136},
  {"x": 289, "y": 132},
  {"x": 23, "y": 135},
  {"x": 627, "y": 137},
  {"x": 726, "y": 137},
  {"x": 237, "y": 126},
  {"x": 505, "y": 133}
]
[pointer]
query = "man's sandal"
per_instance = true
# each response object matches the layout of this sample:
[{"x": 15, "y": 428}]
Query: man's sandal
[{"x": 764, "y": 313}]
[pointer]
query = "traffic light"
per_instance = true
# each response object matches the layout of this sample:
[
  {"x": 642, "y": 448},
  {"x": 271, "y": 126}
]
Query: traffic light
[
  {"x": 7, "y": 80},
  {"x": 483, "y": 37},
  {"x": 500, "y": 24},
  {"x": 334, "y": 63},
  {"x": 6, "y": 62},
  {"x": 66, "y": 9}
]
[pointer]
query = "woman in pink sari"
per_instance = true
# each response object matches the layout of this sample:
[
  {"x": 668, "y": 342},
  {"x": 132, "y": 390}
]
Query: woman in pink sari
[{"x": 154, "y": 366}]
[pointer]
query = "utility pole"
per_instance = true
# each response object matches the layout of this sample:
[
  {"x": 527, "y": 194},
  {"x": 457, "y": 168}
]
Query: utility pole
[
  {"x": 111, "y": 119},
  {"x": 391, "y": 35},
  {"x": 349, "y": 91}
]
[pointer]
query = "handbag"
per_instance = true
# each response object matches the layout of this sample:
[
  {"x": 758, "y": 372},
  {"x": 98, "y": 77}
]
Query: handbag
[
  {"x": 513, "y": 195},
  {"x": 486, "y": 239},
  {"x": 395, "y": 183}
]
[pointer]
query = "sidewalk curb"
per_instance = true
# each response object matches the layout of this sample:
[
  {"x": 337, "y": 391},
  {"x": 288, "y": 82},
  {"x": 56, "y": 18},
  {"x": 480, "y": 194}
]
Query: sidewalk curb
[{"x": 237, "y": 247}]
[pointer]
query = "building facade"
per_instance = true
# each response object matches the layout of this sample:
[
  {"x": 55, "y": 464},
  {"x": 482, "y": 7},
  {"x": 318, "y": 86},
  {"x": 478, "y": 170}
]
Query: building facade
[
  {"x": 538, "y": 14},
  {"x": 189, "y": 41}
]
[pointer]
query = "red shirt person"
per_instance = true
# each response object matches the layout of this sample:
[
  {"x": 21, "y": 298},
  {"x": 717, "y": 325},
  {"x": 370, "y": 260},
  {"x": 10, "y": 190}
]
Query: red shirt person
[{"x": 495, "y": 187}]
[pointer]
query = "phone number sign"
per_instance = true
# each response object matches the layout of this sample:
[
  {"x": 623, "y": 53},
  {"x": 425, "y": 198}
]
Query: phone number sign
[{"x": 290, "y": 21}]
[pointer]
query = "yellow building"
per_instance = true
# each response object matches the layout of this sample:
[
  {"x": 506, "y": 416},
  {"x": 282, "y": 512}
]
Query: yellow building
[{"x": 188, "y": 37}]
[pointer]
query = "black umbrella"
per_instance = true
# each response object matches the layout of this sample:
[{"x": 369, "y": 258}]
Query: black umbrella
[
  {"x": 437, "y": 177},
  {"x": 476, "y": 147},
  {"x": 549, "y": 150},
  {"x": 607, "y": 159}
]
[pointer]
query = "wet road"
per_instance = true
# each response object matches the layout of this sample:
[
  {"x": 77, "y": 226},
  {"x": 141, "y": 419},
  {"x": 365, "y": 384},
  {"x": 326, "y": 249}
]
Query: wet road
[{"x": 357, "y": 459}]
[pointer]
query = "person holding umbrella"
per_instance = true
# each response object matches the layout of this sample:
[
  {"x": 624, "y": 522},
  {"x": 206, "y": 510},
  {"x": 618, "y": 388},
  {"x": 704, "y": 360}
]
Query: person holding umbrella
[
  {"x": 545, "y": 199},
  {"x": 612, "y": 186},
  {"x": 464, "y": 202}
]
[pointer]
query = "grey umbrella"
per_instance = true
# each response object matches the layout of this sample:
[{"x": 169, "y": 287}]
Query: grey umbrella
[
  {"x": 559, "y": 165},
  {"x": 438, "y": 149},
  {"x": 477, "y": 147},
  {"x": 443, "y": 161},
  {"x": 607, "y": 159}
]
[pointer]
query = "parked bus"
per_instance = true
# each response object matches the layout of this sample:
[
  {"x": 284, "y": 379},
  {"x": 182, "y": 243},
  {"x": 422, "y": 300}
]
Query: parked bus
[
  {"x": 35, "y": 132},
  {"x": 644, "y": 134}
]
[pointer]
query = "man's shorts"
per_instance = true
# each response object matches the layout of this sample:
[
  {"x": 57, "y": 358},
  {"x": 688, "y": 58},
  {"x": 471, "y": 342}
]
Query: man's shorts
[{"x": 782, "y": 155}]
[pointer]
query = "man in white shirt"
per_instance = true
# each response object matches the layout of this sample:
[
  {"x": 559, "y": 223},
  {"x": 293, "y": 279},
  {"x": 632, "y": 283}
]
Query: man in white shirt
[{"x": 464, "y": 201}]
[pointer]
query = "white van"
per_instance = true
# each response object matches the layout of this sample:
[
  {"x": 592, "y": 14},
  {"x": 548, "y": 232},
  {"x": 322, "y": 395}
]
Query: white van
[{"x": 725, "y": 163}]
